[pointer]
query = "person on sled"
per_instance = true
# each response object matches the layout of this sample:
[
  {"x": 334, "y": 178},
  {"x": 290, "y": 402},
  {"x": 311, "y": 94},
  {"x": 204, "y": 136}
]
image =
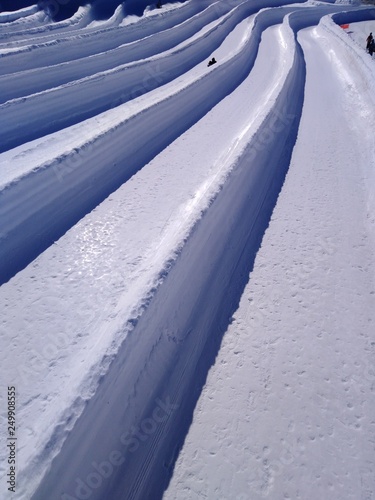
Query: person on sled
[
  {"x": 368, "y": 42},
  {"x": 371, "y": 48}
]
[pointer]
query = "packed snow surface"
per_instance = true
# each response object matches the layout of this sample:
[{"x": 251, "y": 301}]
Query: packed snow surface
[{"x": 187, "y": 252}]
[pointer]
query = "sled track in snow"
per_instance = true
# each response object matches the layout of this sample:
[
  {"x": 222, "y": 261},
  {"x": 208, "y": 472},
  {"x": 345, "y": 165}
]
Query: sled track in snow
[
  {"x": 31, "y": 117},
  {"x": 11, "y": 17},
  {"x": 26, "y": 18},
  {"x": 67, "y": 178},
  {"x": 21, "y": 36},
  {"x": 97, "y": 40},
  {"x": 33, "y": 81},
  {"x": 164, "y": 361}
]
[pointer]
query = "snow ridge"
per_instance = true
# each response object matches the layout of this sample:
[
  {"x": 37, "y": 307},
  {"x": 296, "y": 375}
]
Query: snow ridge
[{"x": 136, "y": 186}]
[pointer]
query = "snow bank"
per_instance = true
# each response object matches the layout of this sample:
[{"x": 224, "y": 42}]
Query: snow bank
[
  {"x": 10, "y": 17},
  {"x": 209, "y": 258},
  {"x": 30, "y": 81},
  {"x": 146, "y": 220},
  {"x": 42, "y": 33},
  {"x": 40, "y": 219},
  {"x": 360, "y": 85},
  {"x": 30, "y": 117},
  {"x": 87, "y": 43},
  {"x": 287, "y": 409}
]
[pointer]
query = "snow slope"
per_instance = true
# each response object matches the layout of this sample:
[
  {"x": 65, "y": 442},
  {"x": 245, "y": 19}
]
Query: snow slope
[
  {"x": 8, "y": 17},
  {"x": 19, "y": 37},
  {"x": 129, "y": 233},
  {"x": 294, "y": 378},
  {"x": 21, "y": 19},
  {"x": 29, "y": 117},
  {"x": 29, "y": 81}
]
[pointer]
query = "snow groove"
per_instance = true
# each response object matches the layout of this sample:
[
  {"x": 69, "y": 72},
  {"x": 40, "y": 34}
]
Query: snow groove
[
  {"x": 32, "y": 81},
  {"x": 20, "y": 119},
  {"x": 68, "y": 178},
  {"x": 28, "y": 17},
  {"x": 180, "y": 351},
  {"x": 45, "y": 31},
  {"x": 88, "y": 43},
  {"x": 90, "y": 108}
]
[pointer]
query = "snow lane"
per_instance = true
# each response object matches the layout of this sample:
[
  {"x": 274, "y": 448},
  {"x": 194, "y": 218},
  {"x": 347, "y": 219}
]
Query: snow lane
[
  {"x": 287, "y": 410},
  {"x": 205, "y": 280},
  {"x": 82, "y": 20},
  {"x": 108, "y": 279},
  {"x": 31, "y": 18},
  {"x": 125, "y": 313},
  {"x": 8, "y": 17},
  {"x": 360, "y": 86},
  {"x": 28, "y": 118},
  {"x": 32, "y": 81},
  {"x": 88, "y": 43},
  {"x": 113, "y": 154},
  {"x": 46, "y": 31}
]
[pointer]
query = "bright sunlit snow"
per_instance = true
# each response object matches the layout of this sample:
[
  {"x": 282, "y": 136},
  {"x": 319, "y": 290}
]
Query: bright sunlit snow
[{"x": 187, "y": 252}]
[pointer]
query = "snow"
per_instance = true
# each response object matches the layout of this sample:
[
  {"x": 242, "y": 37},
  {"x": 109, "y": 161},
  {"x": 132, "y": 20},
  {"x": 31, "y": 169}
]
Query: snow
[
  {"x": 22, "y": 18},
  {"x": 187, "y": 264},
  {"x": 300, "y": 370},
  {"x": 21, "y": 37}
]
